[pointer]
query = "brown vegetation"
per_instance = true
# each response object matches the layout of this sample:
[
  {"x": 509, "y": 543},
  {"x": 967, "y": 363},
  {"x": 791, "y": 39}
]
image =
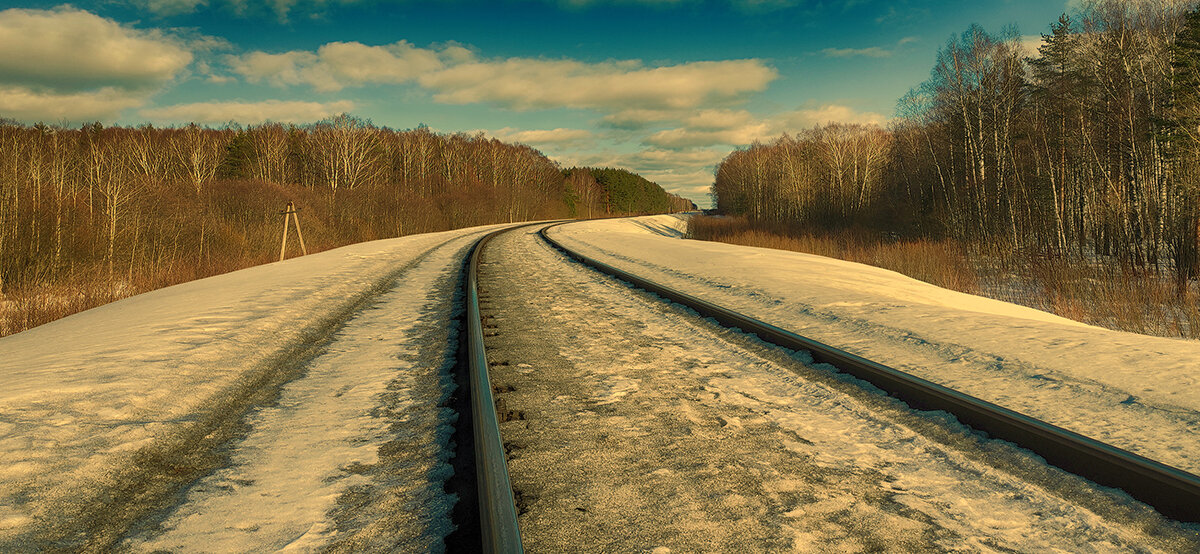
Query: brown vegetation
[
  {"x": 1076, "y": 169},
  {"x": 95, "y": 214},
  {"x": 1108, "y": 295},
  {"x": 1087, "y": 149},
  {"x": 941, "y": 262}
]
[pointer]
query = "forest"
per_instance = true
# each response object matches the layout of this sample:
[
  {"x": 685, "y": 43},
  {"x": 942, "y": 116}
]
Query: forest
[
  {"x": 613, "y": 190},
  {"x": 93, "y": 214},
  {"x": 1084, "y": 154}
]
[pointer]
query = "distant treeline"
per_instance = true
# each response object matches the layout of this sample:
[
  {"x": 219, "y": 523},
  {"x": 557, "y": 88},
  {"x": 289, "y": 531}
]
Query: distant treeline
[
  {"x": 1091, "y": 147},
  {"x": 137, "y": 208},
  {"x": 608, "y": 190}
]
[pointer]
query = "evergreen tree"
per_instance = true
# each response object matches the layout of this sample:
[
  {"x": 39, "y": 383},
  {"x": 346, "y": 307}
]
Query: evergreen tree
[
  {"x": 1058, "y": 90},
  {"x": 239, "y": 154},
  {"x": 1182, "y": 133}
]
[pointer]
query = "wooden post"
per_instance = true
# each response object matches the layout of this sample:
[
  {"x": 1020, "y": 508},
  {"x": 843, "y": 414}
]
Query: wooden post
[
  {"x": 296, "y": 219},
  {"x": 290, "y": 214},
  {"x": 283, "y": 247}
]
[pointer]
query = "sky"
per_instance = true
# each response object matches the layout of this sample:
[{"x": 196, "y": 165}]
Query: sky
[{"x": 666, "y": 88}]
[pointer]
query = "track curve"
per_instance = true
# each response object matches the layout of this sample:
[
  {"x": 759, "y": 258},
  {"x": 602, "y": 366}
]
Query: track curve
[
  {"x": 499, "y": 532},
  {"x": 1173, "y": 492}
]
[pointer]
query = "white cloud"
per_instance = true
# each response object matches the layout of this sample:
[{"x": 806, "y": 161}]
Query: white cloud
[
  {"x": 69, "y": 64},
  {"x": 247, "y": 113},
  {"x": 69, "y": 50},
  {"x": 559, "y": 136},
  {"x": 686, "y": 137},
  {"x": 277, "y": 69},
  {"x": 1029, "y": 44},
  {"x": 26, "y": 104},
  {"x": 713, "y": 127},
  {"x": 523, "y": 83},
  {"x": 682, "y": 182},
  {"x": 336, "y": 65},
  {"x": 739, "y": 128},
  {"x": 637, "y": 119},
  {"x": 716, "y": 120},
  {"x": 871, "y": 52},
  {"x": 657, "y": 159},
  {"x": 805, "y": 118},
  {"x": 457, "y": 76}
]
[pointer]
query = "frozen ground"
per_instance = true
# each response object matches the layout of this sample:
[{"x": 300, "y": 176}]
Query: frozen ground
[
  {"x": 105, "y": 413},
  {"x": 1136, "y": 392},
  {"x": 296, "y": 406},
  {"x": 633, "y": 426}
]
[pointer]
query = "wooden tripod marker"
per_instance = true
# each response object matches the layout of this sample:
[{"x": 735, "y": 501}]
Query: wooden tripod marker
[{"x": 291, "y": 212}]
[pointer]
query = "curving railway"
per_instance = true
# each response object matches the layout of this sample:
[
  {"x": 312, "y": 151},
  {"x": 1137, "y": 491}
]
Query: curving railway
[
  {"x": 617, "y": 412},
  {"x": 502, "y": 389}
]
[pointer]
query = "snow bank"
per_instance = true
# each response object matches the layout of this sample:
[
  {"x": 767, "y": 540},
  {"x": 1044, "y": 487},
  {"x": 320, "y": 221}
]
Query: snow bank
[
  {"x": 88, "y": 399},
  {"x": 1137, "y": 392}
]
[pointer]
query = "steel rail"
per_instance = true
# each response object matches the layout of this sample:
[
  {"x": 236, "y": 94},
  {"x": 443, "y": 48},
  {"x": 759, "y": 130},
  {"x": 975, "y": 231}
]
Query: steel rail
[
  {"x": 497, "y": 511},
  {"x": 1173, "y": 492}
]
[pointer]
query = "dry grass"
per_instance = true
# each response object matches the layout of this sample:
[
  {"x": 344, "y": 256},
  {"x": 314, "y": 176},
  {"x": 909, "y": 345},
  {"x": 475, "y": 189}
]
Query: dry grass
[
  {"x": 177, "y": 236},
  {"x": 33, "y": 305},
  {"x": 1102, "y": 293},
  {"x": 938, "y": 262},
  {"x": 28, "y": 308},
  {"x": 1097, "y": 292}
]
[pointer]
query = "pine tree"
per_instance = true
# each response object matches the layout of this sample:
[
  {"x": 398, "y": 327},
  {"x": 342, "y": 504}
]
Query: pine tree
[
  {"x": 1058, "y": 88},
  {"x": 1182, "y": 133},
  {"x": 239, "y": 155}
]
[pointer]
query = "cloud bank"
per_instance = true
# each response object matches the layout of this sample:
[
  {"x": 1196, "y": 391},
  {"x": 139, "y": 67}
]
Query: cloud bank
[
  {"x": 740, "y": 128},
  {"x": 338, "y": 65},
  {"x": 70, "y": 64},
  {"x": 248, "y": 113},
  {"x": 455, "y": 75}
]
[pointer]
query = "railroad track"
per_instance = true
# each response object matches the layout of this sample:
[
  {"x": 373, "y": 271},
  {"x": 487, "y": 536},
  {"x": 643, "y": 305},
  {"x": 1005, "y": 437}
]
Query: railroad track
[
  {"x": 498, "y": 530},
  {"x": 1173, "y": 492}
]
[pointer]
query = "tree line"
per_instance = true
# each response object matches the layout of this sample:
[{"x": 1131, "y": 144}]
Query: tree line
[
  {"x": 146, "y": 206},
  {"x": 1090, "y": 147},
  {"x": 610, "y": 190}
]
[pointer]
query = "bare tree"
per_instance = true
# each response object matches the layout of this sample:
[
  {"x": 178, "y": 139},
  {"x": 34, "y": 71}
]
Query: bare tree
[{"x": 198, "y": 153}]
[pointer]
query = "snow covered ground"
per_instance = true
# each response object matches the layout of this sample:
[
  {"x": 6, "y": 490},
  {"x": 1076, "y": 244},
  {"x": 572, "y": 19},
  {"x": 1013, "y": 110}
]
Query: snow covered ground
[
  {"x": 637, "y": 427},
  {"x": 297, "y": 405},
  {"x": 1136, "y": 392},
  {"x": 105, "y": 412}
]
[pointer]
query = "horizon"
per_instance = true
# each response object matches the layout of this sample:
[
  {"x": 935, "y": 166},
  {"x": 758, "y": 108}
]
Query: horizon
[{"x": 664, "y": 88}]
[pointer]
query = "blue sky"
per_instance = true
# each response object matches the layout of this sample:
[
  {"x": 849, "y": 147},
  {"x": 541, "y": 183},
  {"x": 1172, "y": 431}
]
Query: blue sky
[{"x": 663, "y": 87}]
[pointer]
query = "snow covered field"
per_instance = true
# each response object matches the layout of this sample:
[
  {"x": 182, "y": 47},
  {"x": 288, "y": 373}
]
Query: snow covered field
[
  {"x": 110, "y": 409},
  {"x": 1136, "y": 392}
]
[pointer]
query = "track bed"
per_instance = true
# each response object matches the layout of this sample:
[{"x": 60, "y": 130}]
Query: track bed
[{"x": 633, "y": 425}]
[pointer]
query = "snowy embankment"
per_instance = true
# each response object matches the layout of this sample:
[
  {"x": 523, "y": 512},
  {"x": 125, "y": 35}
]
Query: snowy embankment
[
  {"x": 633, "y": 427},
  {"x": 102, "y": 411},
  {"x": 1133, "y": 391}
]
